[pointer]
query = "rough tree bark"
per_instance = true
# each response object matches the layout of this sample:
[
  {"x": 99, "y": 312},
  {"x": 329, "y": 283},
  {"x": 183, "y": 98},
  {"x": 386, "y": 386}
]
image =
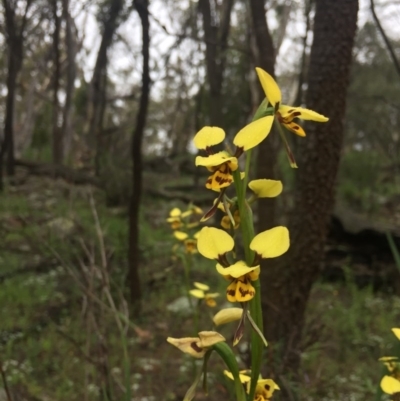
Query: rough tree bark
[
  {"x": 216, "y": 38},
  {"x": 97, "y": 91},
  {"x": 266, "y": 156},
  {"x": 287, "y": 282},
  {"x": 14, "y": 40},
  {"x": 133, "y": 278},
  {"x": 58, "y": 151},
  {"x": 70, "y": 45}
]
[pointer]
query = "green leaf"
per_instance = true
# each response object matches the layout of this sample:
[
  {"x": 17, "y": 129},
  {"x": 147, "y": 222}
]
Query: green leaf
[{"x": 227, "y": 355}]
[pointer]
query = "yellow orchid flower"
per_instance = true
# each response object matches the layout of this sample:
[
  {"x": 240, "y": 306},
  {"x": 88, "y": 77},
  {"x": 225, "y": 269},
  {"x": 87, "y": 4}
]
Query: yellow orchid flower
[
  {"x": 392, "y": 364},
  {"x": 214, "y": 243},
  {"x": 222, "y": 164},
  {"x": 240, "y": 275},
  {"x": 197, "y": 346},
  {"x": 286, "y": 114},
  {"x": 201, "y": 292},
  {"x": 190, "y": 244},
  {"x": 265, "y": 387}
]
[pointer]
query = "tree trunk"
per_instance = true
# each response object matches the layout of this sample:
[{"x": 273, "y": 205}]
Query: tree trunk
[
  {"x": 137, "y": 166},
  {"x": 216, "y": 38},
  {"x": 14, "y": 40},
  {"x": 266, "y": 156},
  {"x": 287, "y": 282},
  {"x": 58, "y": 151},
  {"x": 70, "y": 45},
  {"x": 97, "y": 93}
]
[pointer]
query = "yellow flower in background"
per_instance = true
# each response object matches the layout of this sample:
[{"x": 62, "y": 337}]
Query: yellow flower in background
[
  {"x": 392, "y": 364},
  {"x": 240, "y": 275},
  {"x": 190, "y": 244},
  {"x": 286, "y": 114},
  {"x": 197, "y": 346},
  {"x": 201, "y": 292},
  {"x": 226, "y": 221},
  {"x": 265, "y": 387}
]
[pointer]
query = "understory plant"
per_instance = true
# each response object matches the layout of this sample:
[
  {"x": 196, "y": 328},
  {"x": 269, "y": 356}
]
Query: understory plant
[{"x": 237, "y": 257}]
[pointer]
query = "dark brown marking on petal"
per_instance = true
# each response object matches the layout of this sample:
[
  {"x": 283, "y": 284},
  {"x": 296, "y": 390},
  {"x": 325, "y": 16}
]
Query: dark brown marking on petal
[
  {"x": 296, "y": 127},
  {"x": 267, "y": 387},
  {"x": 290, "y": 111},
  {"x": 296, "y": 114},
  {"x": 196, "y": 347},
  {"x": 230, "y": 292}
]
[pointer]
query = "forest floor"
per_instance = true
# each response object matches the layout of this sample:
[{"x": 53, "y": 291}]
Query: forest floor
[{"x": 62, "y": 274}]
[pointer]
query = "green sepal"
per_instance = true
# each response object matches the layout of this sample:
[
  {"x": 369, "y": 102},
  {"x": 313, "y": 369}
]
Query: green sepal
[{"x": 227, "y": 355}]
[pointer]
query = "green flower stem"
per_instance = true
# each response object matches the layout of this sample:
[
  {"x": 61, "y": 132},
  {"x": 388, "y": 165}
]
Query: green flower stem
[
  {"x": 225, "y": 352},
  {"x": 247, "y": 227}
]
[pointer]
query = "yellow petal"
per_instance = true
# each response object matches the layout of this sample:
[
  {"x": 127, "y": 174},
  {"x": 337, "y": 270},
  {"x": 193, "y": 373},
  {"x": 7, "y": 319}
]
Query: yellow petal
[
  {"x": 213, "y": 242},
  {"x": 188, "y": 345},
  {"x": 271, "y": 243},
  {"x": 266, "y": 188},
  {"x": 238, "y": 269},
  {"x": 219, "y": 179},
  {"x": 196, "y": 235},
  {"x": 175, "y": 212},
  {"x": 227, "y": 315},
  {"x": 215, "y": 160},
  {"x": 186, "y": 214},
  {"x": 266, "y": 388},
  {"x": 173, "y": 219},
  {"x": 388, "y": 359},
  {"x": 295, "y": 128},
  {"x": 201, "y": 286},
  {"x": 244, "y": 290},
  {"x": 271, "y": 88},
  {"x": 243, "y": 378},
  {"x": 231, "y": 292},
  {"x": 209, "y": 338},
  {"x": 208, "y": 136},
  {"x": 180, "y": 235},
  {"x": 210, "y": 301},
  {"x": 304, "y": 114},
  {"x": 396, "y": 332},
  {"x": 254, "y": 133},
  {"x": 390, "y": 385},
  {"x": 226, "y": 223},
  {"x": 197, "y": 293}
]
